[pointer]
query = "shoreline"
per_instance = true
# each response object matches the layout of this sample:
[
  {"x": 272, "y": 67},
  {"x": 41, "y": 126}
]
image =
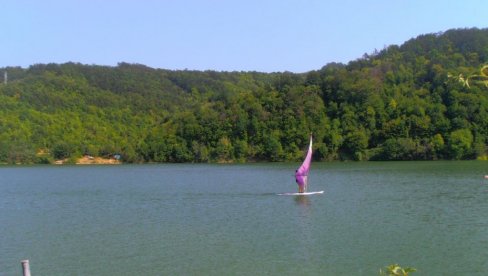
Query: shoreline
[
  {"x": 89, "y": 160},
  {"x": 112, "y": 161}
]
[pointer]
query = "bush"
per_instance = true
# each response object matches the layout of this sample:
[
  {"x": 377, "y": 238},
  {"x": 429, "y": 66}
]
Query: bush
[{"x": 62, "y": 150}]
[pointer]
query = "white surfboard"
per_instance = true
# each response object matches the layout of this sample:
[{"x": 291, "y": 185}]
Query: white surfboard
[{"x": 307, "y": 193}]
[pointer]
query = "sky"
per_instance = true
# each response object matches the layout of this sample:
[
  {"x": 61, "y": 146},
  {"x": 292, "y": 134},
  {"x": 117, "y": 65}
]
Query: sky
[{"x": 221, "y": 35}]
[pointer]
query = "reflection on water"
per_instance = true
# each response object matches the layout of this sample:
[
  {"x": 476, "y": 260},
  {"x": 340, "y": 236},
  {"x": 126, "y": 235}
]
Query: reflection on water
[{"x": 302, "y": 200}]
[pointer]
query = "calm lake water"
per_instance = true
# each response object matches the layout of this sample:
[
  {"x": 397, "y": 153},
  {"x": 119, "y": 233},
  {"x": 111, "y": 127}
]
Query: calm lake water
[{"x": 228, "y": 220}]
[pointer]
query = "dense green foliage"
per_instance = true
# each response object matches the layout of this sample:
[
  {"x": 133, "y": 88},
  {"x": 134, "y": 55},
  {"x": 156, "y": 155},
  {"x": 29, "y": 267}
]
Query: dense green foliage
[{"x": 400, "y": 103}]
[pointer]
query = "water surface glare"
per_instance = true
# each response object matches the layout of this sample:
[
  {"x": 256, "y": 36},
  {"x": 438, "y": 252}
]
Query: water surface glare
[{"x": 184, "y": 219}]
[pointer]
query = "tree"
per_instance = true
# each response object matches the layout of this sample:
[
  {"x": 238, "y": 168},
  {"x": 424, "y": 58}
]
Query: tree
[
  {"x": 224, "y": 150},
  {"x": 357, "y": 143},
  {"x": 437, "y": 143},
  {"x": 460, "y": 143},
  {"x": 273, "y": 148},
  {"x": 62, "y": 150},
  {"x": 399, "y": 149}
]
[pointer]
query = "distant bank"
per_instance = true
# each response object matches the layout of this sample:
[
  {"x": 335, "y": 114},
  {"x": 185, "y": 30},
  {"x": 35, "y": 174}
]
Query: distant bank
[{"x": 89, "y": 160}]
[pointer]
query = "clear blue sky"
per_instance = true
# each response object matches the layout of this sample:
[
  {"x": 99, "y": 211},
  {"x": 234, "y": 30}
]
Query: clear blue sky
[{"x": 222, "y": 35}]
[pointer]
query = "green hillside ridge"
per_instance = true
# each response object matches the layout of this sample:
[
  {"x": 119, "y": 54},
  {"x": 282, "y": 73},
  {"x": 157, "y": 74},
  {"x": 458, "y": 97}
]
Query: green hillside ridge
[{"x": 408, "y": 102}]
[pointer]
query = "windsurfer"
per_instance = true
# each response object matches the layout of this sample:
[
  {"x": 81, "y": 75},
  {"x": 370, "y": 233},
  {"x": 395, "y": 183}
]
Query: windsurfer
[
  {"x": 301, "y": 174},
  {"x": 301, "y": 182}
]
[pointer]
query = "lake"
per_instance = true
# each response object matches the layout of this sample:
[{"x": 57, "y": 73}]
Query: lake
[{"x": 188, "y": 219}]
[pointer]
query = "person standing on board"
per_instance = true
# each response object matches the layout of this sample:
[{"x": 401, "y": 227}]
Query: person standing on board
[
  {"x": 301, "y": 182},
  {"x": 301, "y": 174}
]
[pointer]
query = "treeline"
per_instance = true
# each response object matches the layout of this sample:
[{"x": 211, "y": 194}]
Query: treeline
[{"x": 424, "y": 100}]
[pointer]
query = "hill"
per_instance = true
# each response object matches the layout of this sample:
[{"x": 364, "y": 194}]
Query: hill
[{"x": 423, "y": 100}]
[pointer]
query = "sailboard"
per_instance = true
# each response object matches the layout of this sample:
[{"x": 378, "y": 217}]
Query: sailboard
[
  {"x": 305, "y": 193},
  {"x": 301, "y": 174}
]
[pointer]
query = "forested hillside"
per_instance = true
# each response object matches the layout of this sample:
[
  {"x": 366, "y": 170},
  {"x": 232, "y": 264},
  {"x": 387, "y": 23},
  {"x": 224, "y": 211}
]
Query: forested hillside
[{"x": 426, "y": 99}]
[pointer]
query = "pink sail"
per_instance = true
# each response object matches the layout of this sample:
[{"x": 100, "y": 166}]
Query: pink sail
[{"x": 301, "y": 175}]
